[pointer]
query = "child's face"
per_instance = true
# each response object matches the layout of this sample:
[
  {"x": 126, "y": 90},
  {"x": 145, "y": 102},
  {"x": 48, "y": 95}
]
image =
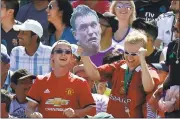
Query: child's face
[{"x": 23, "y": 86}]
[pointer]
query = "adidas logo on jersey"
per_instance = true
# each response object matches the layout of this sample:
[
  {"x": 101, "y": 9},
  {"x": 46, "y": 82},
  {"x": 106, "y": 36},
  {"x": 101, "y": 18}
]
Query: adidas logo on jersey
[{"x": 47, "y": 91}]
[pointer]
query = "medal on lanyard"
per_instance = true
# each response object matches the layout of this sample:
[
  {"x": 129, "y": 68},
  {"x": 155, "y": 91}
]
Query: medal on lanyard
[{"x": 127, "y": 80}]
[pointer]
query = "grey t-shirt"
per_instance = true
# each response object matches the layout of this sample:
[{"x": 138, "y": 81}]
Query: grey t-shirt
[{"x": 28, "y": 11}]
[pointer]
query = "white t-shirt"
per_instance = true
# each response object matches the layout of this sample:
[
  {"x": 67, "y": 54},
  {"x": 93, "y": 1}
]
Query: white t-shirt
[
  {"x": 119, "y": 44},
  {"x": 164, "y": 23}
]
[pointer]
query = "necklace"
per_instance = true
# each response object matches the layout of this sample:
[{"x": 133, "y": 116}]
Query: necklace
[{"x": 177, "y": 53}]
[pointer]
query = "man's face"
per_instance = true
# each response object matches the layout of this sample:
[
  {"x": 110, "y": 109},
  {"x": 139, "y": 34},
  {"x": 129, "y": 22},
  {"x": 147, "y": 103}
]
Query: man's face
[
  {"x": 83, "y": 74},
  {"x": 131, "y": 57},
  {"x": 25, "y": 38},
  {"x": 23, "y": 86},
  {"x": 62, "y": 56},
  {"x": 88, "y": 32}
]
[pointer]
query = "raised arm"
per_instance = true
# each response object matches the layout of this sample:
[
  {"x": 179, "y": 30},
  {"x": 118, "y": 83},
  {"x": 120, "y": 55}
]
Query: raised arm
[
  {"x": 89, "y": 66},
  {"x": 147, "y": 80}
]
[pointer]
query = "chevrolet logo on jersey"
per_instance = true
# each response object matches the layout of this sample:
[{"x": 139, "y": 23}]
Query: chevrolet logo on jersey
[{"x": 57, "y": 102}]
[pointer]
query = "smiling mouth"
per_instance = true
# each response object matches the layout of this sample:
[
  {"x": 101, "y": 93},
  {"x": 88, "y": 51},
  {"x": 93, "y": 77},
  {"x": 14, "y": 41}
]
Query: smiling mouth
[{"x": 62, "y": 59}]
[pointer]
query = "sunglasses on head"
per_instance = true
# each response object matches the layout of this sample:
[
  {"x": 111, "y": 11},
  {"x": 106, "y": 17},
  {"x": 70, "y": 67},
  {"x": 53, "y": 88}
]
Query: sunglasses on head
[
  {"x": 61, "y": 51},
  {"x": 132, "y": 54},
  {"x": 50, "y": 6}
]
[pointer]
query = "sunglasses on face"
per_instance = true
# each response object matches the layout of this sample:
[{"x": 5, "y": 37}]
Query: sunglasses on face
[
  {"x": 50, "y": 7},
  {"x": 120, "y": 5},
  {"x": 61, "y": 51},
  {"x": 132, "y": 54}
]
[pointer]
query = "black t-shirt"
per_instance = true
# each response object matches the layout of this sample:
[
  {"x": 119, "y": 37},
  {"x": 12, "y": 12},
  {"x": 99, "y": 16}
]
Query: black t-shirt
[
  {"x": 154, "y": 57},
  {"x": 151, "y": 10},
  {"x": 9, "y": 39},
  {"x": 171, "y": 58}
]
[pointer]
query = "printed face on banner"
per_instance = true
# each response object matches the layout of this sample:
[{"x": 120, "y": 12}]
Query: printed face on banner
[{"x": 88, "y": 34}]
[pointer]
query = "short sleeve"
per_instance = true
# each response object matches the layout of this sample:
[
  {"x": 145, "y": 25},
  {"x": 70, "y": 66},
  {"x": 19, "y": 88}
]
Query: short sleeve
[
  {"x": 34, "y": 93},
  {"x": 156, "y": 79},
  {"x": 85, "y": 96},
  {"x": 106, "y": 71}
]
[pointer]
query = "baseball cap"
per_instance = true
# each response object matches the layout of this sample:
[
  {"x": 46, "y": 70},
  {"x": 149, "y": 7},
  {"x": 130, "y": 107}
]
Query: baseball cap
[
  {"x": 160, "y": 66},
  {"x": 20, "y": 75},
  {"x": 74, "y": 49},
  {"x": 4, "y": 55},
  {"x": 30, "y": 25},
  {"x": 101, "y": 115},
  {"x": 78, "y": 68}
]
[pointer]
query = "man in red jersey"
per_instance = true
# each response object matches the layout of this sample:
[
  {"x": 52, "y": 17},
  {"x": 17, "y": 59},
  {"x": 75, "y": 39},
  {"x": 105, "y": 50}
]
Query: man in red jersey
[
  {"x": 60, "y": 94},
  {"x": 132, "y": 79}
]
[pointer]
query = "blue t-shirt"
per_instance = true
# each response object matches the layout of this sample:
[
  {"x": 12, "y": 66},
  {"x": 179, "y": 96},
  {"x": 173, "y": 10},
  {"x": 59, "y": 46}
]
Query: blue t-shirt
[{"x": 66, "y": 35}]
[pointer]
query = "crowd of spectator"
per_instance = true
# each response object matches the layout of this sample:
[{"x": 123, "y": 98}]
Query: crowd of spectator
[{"x": 90, "y": 58}]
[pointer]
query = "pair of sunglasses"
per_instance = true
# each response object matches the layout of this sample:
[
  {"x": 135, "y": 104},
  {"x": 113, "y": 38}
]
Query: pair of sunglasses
[
  {"x": 132, "y": 54},
  {"x": 120, "y": 5},
  {"x": 50, "y": 6},
  {"x": 61, "y": 51}
]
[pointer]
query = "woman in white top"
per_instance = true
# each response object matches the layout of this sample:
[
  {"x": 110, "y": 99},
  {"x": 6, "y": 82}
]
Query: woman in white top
[{"x": 126, "y": 13}]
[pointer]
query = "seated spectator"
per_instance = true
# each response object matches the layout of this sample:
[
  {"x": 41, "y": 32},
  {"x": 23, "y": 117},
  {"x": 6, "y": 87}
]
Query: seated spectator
[
  {"x": 60, "y": 94},
  {"x": 5, "y": 104},
  {"x": 97, "y": 5},
  {"x": 154, "y": 55},
  {"x": 151, "y": 9},
  {"x": 21, "y": 82},
  {"x": 5, "y": 72},
  {"x": 101, "y": 100},
  {"x": 58, "y": 15},
  {"x": 36, "y": 10},
  {"x": 32, "y": 55},
  {"x": 9, "y": 9}
]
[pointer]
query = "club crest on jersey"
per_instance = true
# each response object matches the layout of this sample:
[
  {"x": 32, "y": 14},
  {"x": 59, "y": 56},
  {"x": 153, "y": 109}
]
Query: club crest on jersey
[
  {"x": 69, "y": 91},
  {"x": 57, "y": 102}
]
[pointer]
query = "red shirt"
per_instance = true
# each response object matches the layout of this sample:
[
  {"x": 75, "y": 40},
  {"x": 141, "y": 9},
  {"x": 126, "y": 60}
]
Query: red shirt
[
  {"x": 101, "y": 6},
  {"x": 56, "y": 94},
  {"x": 136, "y": 96}
]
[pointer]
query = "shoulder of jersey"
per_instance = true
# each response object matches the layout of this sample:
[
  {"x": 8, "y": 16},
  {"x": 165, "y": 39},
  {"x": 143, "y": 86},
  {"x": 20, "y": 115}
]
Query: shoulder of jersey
[{"x": 165, "y": 15}]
